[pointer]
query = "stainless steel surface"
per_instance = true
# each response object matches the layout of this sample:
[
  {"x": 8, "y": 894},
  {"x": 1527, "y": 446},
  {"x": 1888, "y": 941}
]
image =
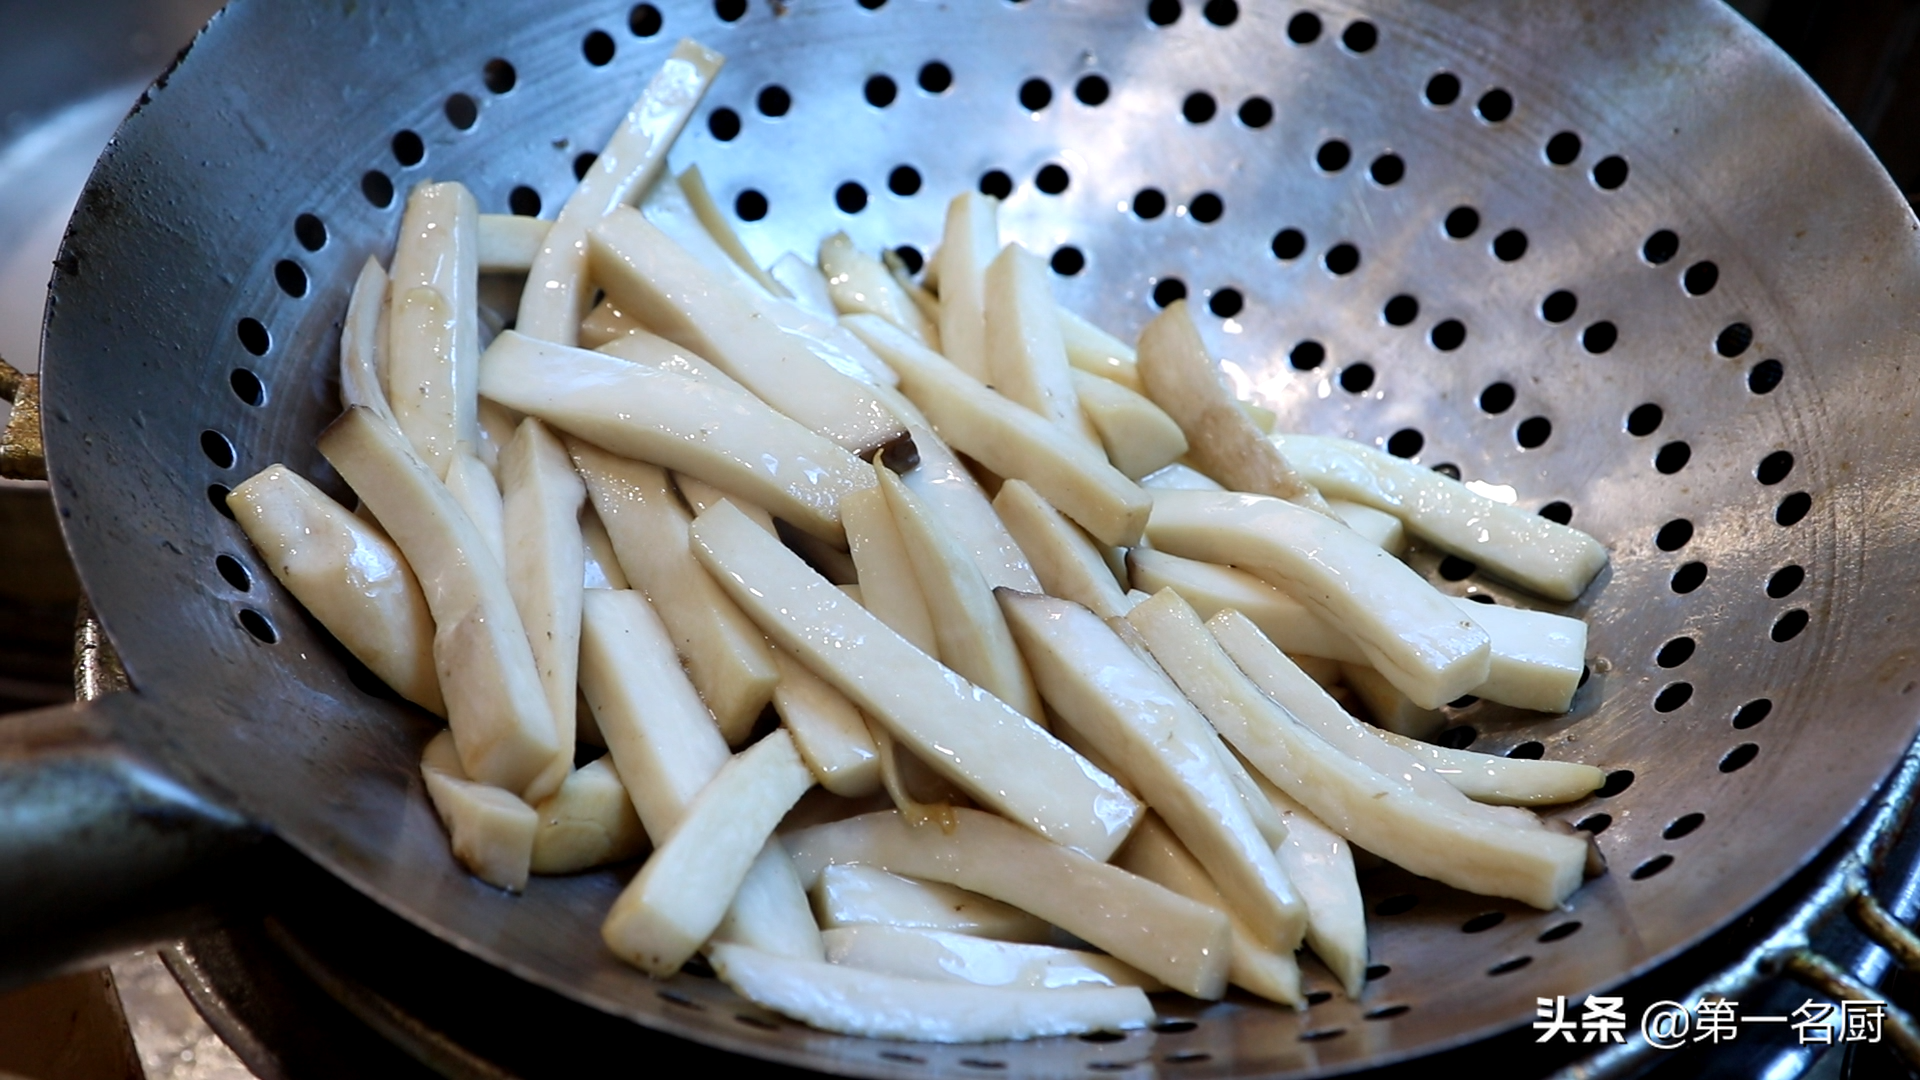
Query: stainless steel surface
[{"x": 284, "y": 109}]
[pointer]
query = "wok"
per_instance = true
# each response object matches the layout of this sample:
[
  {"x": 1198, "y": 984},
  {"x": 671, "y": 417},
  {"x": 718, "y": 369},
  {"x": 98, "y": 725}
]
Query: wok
[{"x": 1656, "y": 283}]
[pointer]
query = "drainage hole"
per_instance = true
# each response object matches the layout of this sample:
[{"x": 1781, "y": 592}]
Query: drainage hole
[
  {"x": 1342, "y": 259},
  {"x": 1448, "y": 335},
  {"x": 1672, "y": 457},
  {"x": 1289, "y": 243},
  {"x": 1401, "y": 310},
  {"x": 1774, "y": 467},
  {"x": 1660, "y": 247},
  {"x": 1091, "y": 90},
  {"x": 217, "y": 495},
  {"x": 1455, "y": 568},
  {"x": 1505, "y": 967},
  {"x": 1645, "y": 419},
  {"x": 1494, "y": 106},
  {"x": 1672, "y": 697},
  {"x": 1557, "y": 512},
  {"x": 1793, "y": 508},
  {"x": 1206, "y": 208},
  {"x": 1509, "y": 246},
  {"x": 1035, "y": 95},
  {"x": 1734, "y": 340},
  {"x": 1461, "y": 222},
  {"x": 1199, "y": 107},
  {"x": 644, "y": 20},
  {"x": 724, "y": 123},
  {"x": 218, "y": 448},
  {"x": 1675, "y": 652},
  {"x": 1496, "y": 398},
  {"x": 996, "y": 183},
  {"x": 1689, "y": 577},
  {"x": 253, "y": 336},
  {"x": 1443, "y": 89},
  {"x": 881, "y": 91},
  {"x": 1700, "y": 278},
  {"x": 1559, "y": 306},
  {"x": 1226, "y": 303},
  {"x": 1387, "y": 169},
  {"x": 1674, "y": 535},
  {"x": 1784, "y": 581},
  {"x": 291, "y": 278},
  {"x": 1533, "y": 432},
  {"x": 1618, "y": 781},
  {"x": 1304, "y": 28},
  {"x": 1610, "y": 172},
  {"x": 750, "y": 205},
  {"x": 1068, "y": 261},
  {"x": 1599, "y": 337},
  {"x": 1594, "y": 824},
  {"x": 498, "y": 75},
  {"x": 1457, "y": 738},
  {"x": 1356, "y": 378},
  {"x": 462, "y": 111},
  {"x": 523, "y": 201},
  {"x": 1483, "y": 922},
  {"x": 1739, "y": 757},
  {"x": 1332, "y": 156},
  {"x": 1405, "y": 443},
  {"x": 1322, "y": 1034},
  {"x": 235, "y": 574},
  {"x": 936, "y": 78},
  {"x": 1765, "y": 376},
  {"x": 1169, "y": 290},
  {"x": 247, "y": 387},
  {"x": 1560, "y": 932},
  {"x": 1528, "y": 751},
  {"x": 1360, "y": 36},
  {"x": 1563, "y": 148},
  {"x": 257, "y": 625},
  {"x": 1256, "y": 112},
  {"x": 597, "y": 47},
  {"x": 1751, "y": 713},
  {"x": 1788, "y": 626},
  {"x": 1307, "y": 355},
  {"x": 1387, "y": 1012},
  {"x": 1651, "y": 867},
  {"x": 1683, "y": 825}
]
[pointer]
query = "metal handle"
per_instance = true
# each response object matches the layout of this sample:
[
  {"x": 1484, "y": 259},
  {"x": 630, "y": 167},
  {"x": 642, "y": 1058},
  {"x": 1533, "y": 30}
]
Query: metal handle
[
  {"x": 99, "y": 849},
  {"x": 22, "y": 455}
]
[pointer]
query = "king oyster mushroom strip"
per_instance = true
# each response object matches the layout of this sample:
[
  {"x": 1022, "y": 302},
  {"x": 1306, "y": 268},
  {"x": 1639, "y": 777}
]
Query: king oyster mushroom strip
[{"x": 908, "y": 651}]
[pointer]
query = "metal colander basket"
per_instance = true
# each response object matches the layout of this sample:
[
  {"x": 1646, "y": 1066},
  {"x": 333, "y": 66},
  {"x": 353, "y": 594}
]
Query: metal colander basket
[{"x": 1624, "y": 264}]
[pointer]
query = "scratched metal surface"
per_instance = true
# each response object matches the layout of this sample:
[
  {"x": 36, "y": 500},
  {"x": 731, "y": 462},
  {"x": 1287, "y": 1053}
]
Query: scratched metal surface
[{"x": 285, "y": 108}]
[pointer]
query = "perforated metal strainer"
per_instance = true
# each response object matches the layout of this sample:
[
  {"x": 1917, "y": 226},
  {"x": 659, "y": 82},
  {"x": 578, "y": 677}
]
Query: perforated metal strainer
[{"x": 1621, "y": 262}]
